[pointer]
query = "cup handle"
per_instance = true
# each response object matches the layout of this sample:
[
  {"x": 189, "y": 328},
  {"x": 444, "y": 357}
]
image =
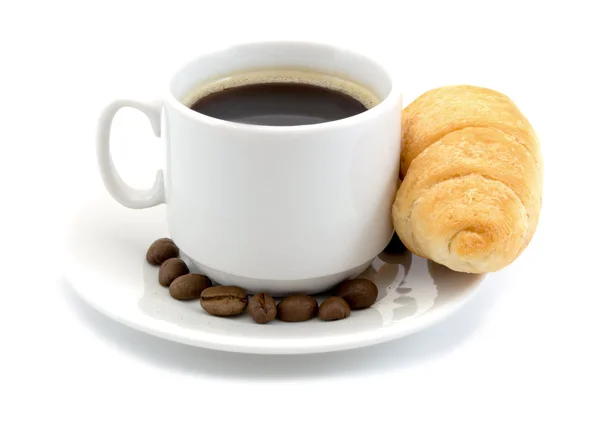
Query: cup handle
[{"x": 120, "y": 191}]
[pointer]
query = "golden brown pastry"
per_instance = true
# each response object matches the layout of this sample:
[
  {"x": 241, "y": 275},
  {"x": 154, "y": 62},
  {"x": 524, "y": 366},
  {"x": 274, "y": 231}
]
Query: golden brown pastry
[{"x": 472, "y": 187}]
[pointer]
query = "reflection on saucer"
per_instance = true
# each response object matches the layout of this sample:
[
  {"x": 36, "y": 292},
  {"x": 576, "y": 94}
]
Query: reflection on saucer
[
  {"x": 410, "y": 285},
  {"x": 450, "y": 283},
  {"x": 401, "y": 293}
]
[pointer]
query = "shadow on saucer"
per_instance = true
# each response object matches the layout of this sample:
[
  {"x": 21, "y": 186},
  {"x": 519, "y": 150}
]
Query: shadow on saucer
[{"x": 417, "y": 348}]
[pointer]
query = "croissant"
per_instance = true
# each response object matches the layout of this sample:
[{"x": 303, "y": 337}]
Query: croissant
[{"x": 472, "y": 170}]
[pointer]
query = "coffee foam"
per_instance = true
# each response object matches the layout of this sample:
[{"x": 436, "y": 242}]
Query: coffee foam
[{"x": 348, "y": 87}]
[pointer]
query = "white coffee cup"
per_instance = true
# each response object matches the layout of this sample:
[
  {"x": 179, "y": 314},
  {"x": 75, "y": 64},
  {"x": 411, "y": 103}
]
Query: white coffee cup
[{"x": 290, "y": 209}]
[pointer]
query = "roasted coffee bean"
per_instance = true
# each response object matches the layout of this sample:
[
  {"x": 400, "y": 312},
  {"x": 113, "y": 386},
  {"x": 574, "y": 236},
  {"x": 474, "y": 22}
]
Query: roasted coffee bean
[
  {"x": 224, "y": 301},
  {"x": 171, "y": 269},
  {"x": 359, "y": 293},
  {"x": 161, "y": 250},
  {"x": 334, "y": 308},
  {"x": 395, "y": 246},
  {"x": 262, "y": 308},
  {"x": 297, "y": 308},
  {"x": 189, "y": 286}
]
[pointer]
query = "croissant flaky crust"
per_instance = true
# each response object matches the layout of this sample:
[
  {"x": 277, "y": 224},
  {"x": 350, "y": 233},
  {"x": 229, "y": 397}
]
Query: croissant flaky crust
[{"x": 472, "y": 179}]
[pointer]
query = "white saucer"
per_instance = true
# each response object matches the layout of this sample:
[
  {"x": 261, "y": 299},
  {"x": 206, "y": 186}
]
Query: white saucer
[{"x": 105, "y": 264}]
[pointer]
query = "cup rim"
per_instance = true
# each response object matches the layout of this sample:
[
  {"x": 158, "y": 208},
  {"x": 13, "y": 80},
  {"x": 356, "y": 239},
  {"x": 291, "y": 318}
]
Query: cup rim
[{"x": 388, "y": 102}]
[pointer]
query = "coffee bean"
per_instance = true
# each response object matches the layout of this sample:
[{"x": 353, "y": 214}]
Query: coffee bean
[
  {"x": 224, "y": 301},
  {"x": 297, "y": 308},
  {"x": 262, "y": 308},
  {"x": 359, "y": 293},
  {"x": 395, "y": 246},
  {"x": 171, "y": 269},
  {"x": 161, "y": 250},
  {"x": 189, "y": 286},
  {"x": 334, "y": 308}
]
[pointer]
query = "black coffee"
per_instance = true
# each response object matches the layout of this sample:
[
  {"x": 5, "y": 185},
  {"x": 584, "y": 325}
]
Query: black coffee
[{"x": 279, "y": 104}]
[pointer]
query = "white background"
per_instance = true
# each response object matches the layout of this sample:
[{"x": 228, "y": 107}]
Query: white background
[{"x": 524, "y": 351}]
